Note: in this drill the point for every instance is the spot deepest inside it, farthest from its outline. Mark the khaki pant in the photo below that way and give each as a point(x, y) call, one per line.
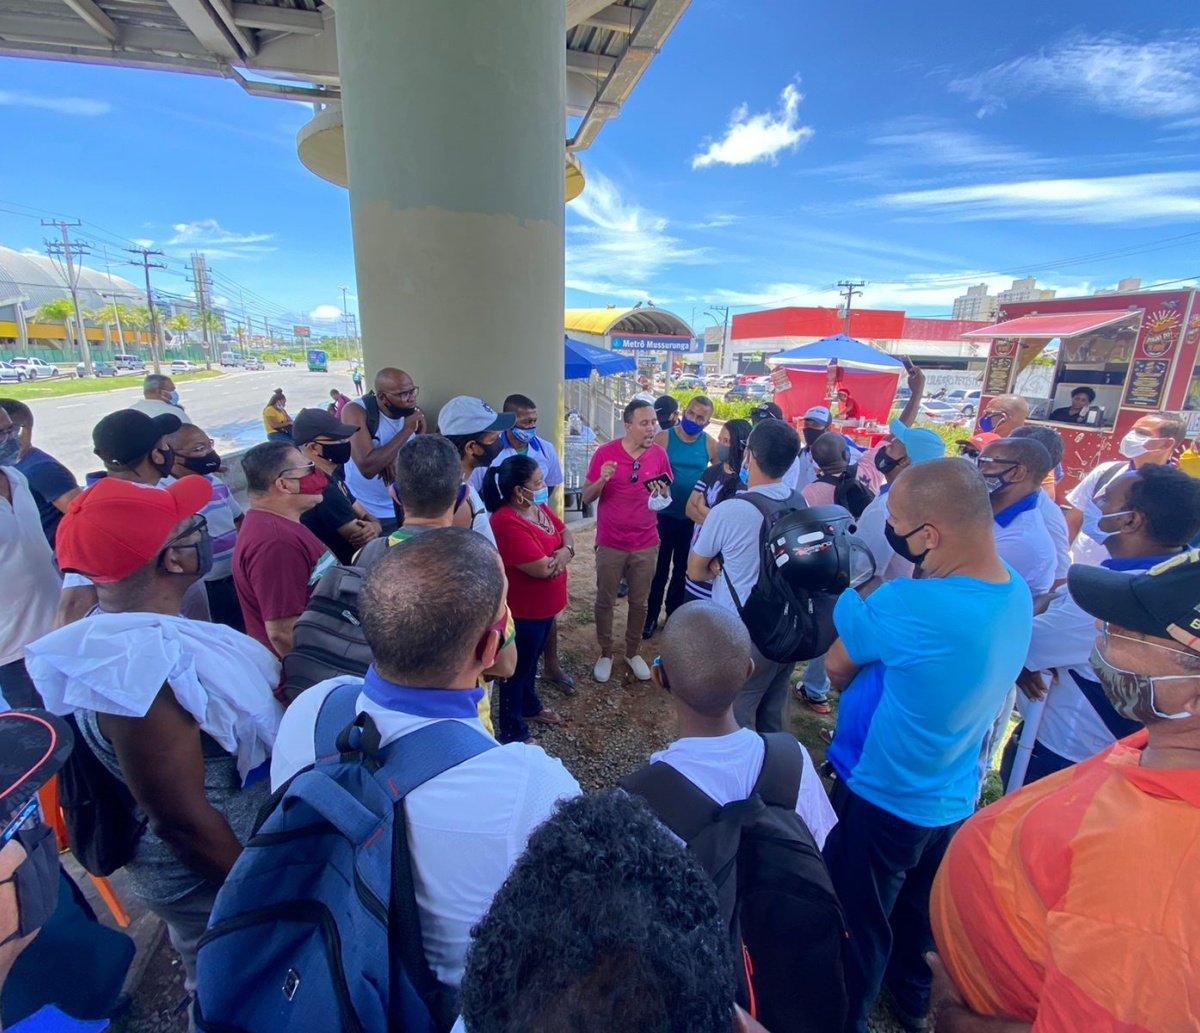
point(637, 568)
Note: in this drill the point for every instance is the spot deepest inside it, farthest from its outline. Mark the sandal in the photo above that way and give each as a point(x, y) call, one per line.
point(546, 716)
point(566, 683)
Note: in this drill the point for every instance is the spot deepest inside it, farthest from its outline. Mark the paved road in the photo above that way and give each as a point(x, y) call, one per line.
point(228, 407)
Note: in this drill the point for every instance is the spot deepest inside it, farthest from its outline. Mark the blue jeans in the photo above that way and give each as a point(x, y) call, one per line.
point(816, 682)
point(882, 869)
point(518, 698)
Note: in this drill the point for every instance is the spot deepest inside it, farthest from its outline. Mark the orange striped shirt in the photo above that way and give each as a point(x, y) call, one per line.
point(1074, 904)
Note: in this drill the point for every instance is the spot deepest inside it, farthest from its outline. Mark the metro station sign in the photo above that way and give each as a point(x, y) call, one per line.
point(655, 343)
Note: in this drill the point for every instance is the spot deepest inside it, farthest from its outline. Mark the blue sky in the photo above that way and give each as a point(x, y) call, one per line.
point(773, 148)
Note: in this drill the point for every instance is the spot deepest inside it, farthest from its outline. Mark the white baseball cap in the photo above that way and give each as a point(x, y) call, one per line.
point(819, 413)
point(467, 415)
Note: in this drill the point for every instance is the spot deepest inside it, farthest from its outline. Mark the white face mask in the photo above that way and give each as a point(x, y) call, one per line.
point(658, 502)
point(1135, 444)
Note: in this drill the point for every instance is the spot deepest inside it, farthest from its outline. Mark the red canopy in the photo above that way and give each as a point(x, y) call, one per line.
point(1052, 324)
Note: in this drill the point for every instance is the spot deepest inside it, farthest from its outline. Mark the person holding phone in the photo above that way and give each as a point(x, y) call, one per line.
point(626, 530)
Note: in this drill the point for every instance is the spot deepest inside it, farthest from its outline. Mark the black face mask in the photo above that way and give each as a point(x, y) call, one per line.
point(810, 435)
point(489, 452)
point(168, 462)
point(899, 544)
point(210, 462)
point(35, 880)
point(337, 453)
point(884, 463)
point(396, 412)
point(204, 556)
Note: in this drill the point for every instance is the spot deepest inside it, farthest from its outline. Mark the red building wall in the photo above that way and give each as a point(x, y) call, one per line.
point(865, 323)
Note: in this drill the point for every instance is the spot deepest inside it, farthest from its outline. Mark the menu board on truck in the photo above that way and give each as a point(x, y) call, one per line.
point(1147, 382)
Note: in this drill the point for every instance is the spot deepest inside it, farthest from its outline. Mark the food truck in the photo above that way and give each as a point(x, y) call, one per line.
point(1136, 352)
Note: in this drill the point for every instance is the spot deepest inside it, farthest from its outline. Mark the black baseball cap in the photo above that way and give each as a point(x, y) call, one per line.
point(765, 411)
point(128, 435)
point(665, 406)
point(311, 424)
point(1163, 601)
point(34, 744)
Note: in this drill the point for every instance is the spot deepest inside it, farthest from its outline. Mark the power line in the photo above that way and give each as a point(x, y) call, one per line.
point(66, 251)
point(143, 259)
point(848, 289)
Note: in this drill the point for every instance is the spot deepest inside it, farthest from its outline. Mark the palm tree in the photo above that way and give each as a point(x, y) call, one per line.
point(181, 323)
point(101, 317)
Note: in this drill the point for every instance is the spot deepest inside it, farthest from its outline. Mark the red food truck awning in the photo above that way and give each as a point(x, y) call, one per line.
point(1052, 324)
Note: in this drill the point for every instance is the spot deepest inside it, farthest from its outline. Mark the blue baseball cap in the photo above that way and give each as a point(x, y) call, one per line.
point(920, 444)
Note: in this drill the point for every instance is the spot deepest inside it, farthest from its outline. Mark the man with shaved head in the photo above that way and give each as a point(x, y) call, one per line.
point(924, 664)
point(386, 418)
point(705, 660)
point(1013, 469)
point(1052, 514)
point(1004, 414)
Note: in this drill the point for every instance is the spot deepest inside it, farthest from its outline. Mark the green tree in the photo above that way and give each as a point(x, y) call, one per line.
point(181, 323)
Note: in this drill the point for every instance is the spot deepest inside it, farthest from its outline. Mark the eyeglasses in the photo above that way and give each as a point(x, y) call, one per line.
point(201, 449)
point(198, 527)
point(11, 431)
point(637, 465)
point(408, 395)
point(984, 460)
point(288, 471)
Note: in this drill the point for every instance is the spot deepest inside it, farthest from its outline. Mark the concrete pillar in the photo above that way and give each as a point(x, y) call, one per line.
point(454, 129)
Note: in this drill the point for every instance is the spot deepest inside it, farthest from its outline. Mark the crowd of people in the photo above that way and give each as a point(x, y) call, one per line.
point(419, 566)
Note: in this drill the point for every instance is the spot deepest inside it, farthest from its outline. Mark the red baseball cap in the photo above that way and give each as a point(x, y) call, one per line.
point(983, 439)
point(117, 527)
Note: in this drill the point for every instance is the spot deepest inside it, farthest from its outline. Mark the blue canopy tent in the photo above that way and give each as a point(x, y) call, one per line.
point(846, 350)
point(812, 372)
point(582, 360)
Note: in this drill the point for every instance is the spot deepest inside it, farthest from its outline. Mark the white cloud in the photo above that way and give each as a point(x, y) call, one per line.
point(1147, 198)
point(325, 314)
point(933, 142)
point(761, 137)
point(85, 106)
point(615, 247)
point(209, 231)
point(1152, 80)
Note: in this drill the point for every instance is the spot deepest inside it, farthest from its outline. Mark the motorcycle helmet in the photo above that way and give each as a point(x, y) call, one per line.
point(814, 550)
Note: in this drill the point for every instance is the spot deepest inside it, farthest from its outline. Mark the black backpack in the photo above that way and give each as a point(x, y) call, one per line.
point(785, 923)
point(371, 404)
point(848, 491)
point(785, 622)
point(328, 638)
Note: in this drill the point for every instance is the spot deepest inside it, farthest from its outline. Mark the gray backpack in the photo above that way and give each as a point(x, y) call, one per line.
point(328, 638)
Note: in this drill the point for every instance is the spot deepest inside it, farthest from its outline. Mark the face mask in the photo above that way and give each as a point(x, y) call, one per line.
point(523, 434)
point(337, 454)
point(204, 556)
point(810, 435)
point(174, 398)
point(488, 454)
point(10, 448)
point(723, 453)
point(899, 544)
point(281, 406)
point(313, 482)
point(210, 462)
point(987, 422)
point(658, 502)
point(995, 483)
point(1091, 524)
point(1134, 444)
point(1132, 695)
point(168, 461)
point(540, 497)
point(690, 427)
point(744, 475)
point(35, 880)
point(884, 463)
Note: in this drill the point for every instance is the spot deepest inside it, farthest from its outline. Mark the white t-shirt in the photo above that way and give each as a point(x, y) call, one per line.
point(157, 407)
point(481, 521)
point(732, 530)
point(1026, 546)
point(372, 492)
point(1056, 527)
point(26, 568)
point(544, 455)
point(466, 828)
point(725, 767)
point(869, 531)
point(797, 471)
point(1085, 548)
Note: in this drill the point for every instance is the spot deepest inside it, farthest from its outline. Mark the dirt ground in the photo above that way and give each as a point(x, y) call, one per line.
point(607, 731)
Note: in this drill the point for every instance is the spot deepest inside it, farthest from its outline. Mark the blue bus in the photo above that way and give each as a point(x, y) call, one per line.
point(318, 362)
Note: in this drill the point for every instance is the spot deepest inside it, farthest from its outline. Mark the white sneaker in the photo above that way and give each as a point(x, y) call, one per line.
point(603, 669)
point(640, 671)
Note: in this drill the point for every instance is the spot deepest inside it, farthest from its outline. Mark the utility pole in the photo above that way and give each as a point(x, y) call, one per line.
point(724, 311)
point(848, 290)
point(202, 283)
point(112, 296)
point(143, 259)
point(246, 320)
point(65, 250)
point(345, 316)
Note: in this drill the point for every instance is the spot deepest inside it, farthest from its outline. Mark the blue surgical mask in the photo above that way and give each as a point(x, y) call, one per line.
point(744, 475)
point(521, 434)
point(174, 397)
point(541, 496)
point(690, 427)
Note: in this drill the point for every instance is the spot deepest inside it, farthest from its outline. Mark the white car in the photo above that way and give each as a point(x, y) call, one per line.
point(941, 412)
point(183, 366)
point(966, 402)
point(35, 367)
point(10, 374)
point(287, 363)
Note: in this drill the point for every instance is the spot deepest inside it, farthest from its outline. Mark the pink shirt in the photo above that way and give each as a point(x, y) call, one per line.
point(818, 493)
point(339, 404)
point(623, 520)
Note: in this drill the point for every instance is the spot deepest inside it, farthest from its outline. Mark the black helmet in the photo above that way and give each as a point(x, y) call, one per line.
point(815, 552)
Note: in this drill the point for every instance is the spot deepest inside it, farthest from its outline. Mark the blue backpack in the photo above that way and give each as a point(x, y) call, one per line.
point(316, 927)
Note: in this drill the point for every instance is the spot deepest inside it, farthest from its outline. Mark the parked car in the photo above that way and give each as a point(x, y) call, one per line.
point(10, 374)
point(903, 394)
point(102, 368)
point(941, 412)
point(230, 359)
point(35, 367)
point(254, 363)
point(967, 402)
point(689, 383)
point(183, 366)
point(287, 363)
point(750, 393)
point(128, 362)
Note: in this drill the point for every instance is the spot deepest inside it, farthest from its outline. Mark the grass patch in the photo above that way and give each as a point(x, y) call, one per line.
point(583, 617)
point(63, 388)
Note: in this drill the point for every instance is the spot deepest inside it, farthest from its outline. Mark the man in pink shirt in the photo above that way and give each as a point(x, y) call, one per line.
point(631, 477)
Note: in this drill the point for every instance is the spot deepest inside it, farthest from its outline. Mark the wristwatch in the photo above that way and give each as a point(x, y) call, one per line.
point(570, 549)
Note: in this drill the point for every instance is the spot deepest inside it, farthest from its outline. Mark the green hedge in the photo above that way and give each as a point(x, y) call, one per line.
point(721, 410)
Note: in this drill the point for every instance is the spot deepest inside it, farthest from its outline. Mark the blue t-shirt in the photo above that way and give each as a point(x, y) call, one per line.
point(937, 659)
point(48, 480)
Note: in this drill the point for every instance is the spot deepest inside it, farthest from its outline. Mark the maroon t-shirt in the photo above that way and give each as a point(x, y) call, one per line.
point(275, 564)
